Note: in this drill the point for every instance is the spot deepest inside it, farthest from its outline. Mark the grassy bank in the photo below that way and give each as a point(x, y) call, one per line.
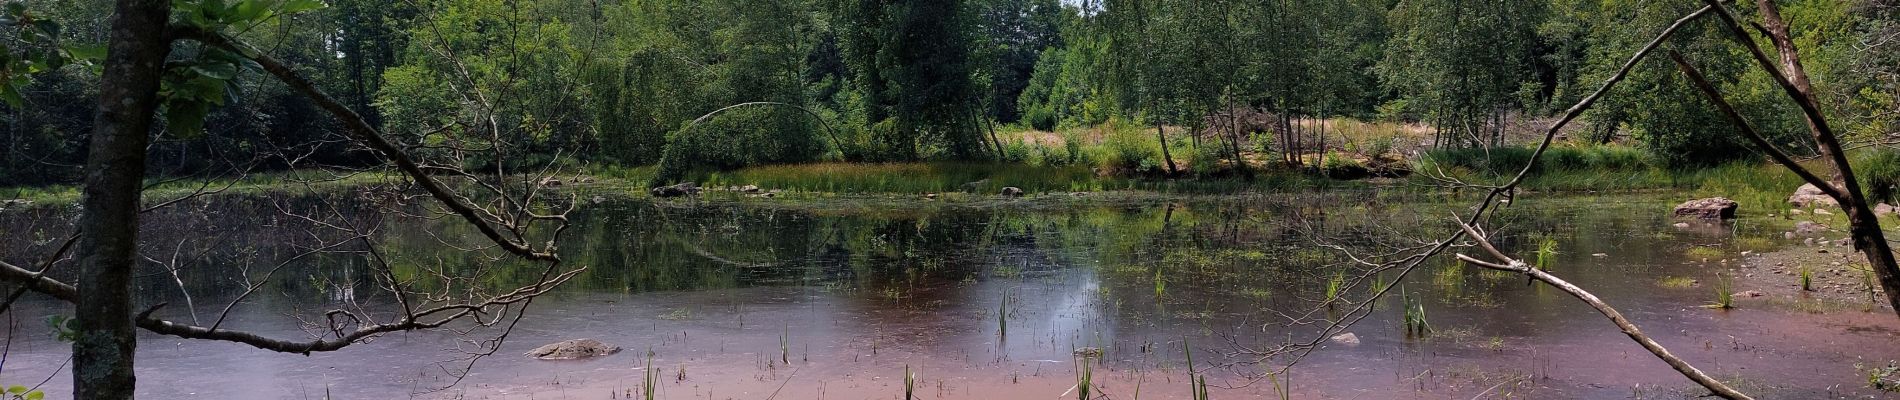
point(160, 190)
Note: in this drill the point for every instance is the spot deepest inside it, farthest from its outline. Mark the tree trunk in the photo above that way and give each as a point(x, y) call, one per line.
point(1163, 137)
point(1864, 224)
point(104, 348)
point(1233, 135)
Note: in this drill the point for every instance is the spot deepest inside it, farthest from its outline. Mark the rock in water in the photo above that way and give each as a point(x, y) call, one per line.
point(749, 188)
point(1807, 227)
point(1012, 191)
point(1347, 338)
point(573, 349)
point(1716, 208)
point(1809, 195)
point(682, 189)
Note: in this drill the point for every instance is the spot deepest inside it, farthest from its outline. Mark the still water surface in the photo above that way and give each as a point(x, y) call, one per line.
point(753, 299)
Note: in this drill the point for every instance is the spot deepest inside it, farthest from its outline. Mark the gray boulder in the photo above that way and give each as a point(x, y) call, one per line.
point(573, 349)
point(1012, 191)
point(1716, 208)
point(1809, 195)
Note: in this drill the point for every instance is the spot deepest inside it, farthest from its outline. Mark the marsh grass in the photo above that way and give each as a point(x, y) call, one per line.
point(1415, 324)
point(1724, 293)
point(651, 379)
point(1197, 382)
point(1546, 254)
point(1676, 282)
point(910, 383)
point(163, 189)
point(1703, 253)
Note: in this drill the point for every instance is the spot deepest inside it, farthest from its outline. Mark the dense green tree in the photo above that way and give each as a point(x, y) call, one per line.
point(1462, 64)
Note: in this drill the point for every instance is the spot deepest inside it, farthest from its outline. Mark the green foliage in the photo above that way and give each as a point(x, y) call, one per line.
point(1415, 324)
point(65, 329)
point(1880, 172)
point(1724, 294)
point(1341, 166)
point(1885, 378)
point(1429, 61)
point(17, 392)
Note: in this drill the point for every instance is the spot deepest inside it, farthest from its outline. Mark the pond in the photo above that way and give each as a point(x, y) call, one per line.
point(824, 298)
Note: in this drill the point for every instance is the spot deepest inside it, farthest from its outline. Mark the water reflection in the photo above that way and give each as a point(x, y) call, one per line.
point(813, 300)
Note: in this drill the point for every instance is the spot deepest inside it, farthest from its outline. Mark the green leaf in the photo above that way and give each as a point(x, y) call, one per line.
point(46, 25)
point(16, 389)
point(54, 61)
point(249, 10)
point(35, 395)
point(87, 52)
point(219, 71)
point(186, 118)
point(297, 6)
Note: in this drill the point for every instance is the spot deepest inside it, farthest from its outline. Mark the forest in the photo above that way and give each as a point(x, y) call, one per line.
point(654, 83)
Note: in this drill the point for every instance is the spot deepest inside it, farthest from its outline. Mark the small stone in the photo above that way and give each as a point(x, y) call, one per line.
point(1599, 255)
point(1682, 225)
point(1347, 338)
point(1822, 211)
point(1012, 191)
point(1796, 212)
point(573, 349)
point(1751, 293)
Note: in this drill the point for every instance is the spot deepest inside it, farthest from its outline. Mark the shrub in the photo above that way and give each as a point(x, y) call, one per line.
point(1341, 166)
point(1880, 173)
point(1130, 149)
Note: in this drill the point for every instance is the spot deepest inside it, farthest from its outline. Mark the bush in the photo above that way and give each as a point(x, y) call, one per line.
point(1880, 173)
point(1130, 149)
point(1341, 166)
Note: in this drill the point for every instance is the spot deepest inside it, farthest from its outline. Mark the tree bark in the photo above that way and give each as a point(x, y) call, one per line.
point(1162, 135)
point(105, 345)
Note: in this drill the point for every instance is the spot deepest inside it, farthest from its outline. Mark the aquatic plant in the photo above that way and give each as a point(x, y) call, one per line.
point(1197, 383)
point(1084, 378)
point(1885, 379)
point(1676, 282)
point(1724, 294)
point(910, 383)
point(1546, 253)
point(651, 377)
point(1415, 324)
point(1002, 316)
point(1703, 253)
